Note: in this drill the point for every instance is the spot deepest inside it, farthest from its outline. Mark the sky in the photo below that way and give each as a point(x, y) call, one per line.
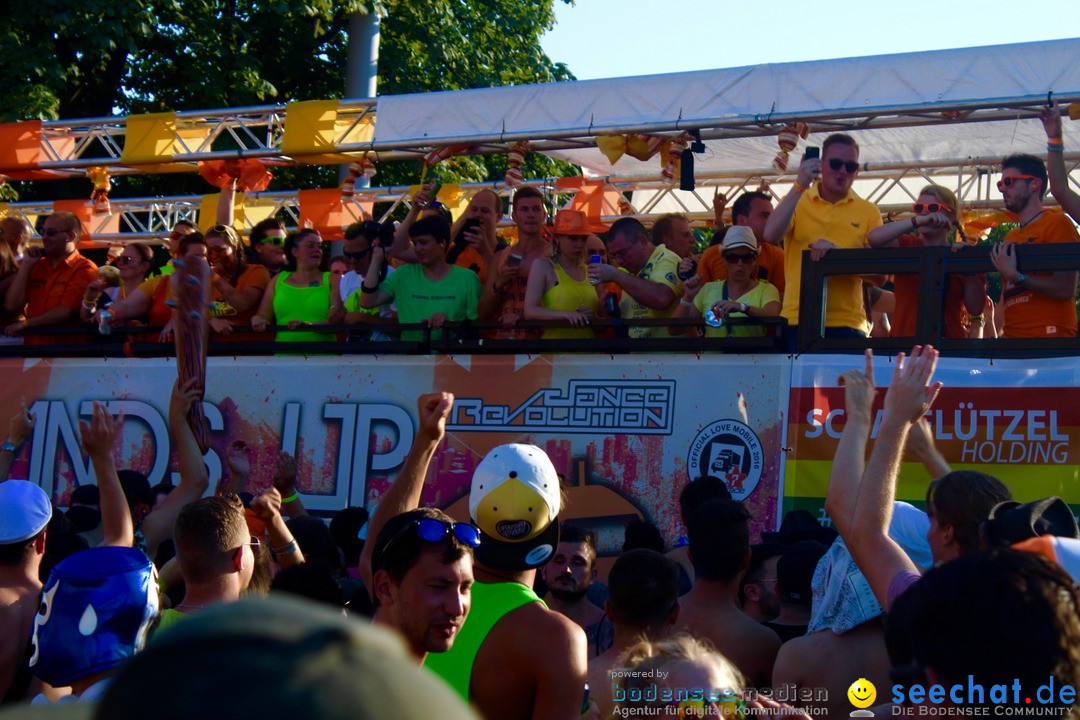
point(621, 38)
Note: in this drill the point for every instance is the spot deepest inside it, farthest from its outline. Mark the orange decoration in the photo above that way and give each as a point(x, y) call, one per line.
point(250, 174)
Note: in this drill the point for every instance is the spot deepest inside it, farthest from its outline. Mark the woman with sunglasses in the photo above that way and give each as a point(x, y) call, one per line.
point(133, 264)
point(741, 295)
point(934, 223)
point(151, 300)
point(302, 295)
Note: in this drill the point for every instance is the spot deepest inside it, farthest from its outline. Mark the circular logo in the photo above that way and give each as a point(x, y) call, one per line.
point(539, 555)
point(731, 451)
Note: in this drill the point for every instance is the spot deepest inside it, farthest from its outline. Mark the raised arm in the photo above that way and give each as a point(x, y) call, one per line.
point(402, 248)
point(285, 482)
point(267, 507)
point(780, 219)
point(1055, 161)
point(910, 395)
point(194, 478)
point(98, 439)
point(407, 489)
point(850, 459)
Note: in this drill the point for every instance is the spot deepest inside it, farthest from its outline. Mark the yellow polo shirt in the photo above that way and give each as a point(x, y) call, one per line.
point(846, 225)
point(663, 268)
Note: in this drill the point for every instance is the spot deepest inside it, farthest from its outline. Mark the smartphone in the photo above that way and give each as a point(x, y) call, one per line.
point(470, 224)
point(812, 153)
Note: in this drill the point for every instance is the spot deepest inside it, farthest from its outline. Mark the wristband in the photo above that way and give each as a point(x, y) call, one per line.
point(367, 290)
point(914, 224)
point(796, 186)
point(687, 304)
point(1021, 279)
point(979, 320)
point(286, 549)
point(292, 498)
point(8, 446)
point(1055, 140)
point(1055, 147)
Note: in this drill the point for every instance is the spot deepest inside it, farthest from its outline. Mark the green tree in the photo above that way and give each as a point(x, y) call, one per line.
point(103, 57)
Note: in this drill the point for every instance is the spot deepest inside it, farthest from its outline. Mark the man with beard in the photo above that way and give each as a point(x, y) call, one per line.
point(1043, 303)
point(569, 575)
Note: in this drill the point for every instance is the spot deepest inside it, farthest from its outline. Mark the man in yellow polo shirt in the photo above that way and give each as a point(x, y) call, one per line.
point(651, 286)
point(818, 216)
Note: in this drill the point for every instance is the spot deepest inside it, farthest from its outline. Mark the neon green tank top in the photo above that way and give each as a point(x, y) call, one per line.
point(308, 304)
point(490, 602)
point(570, 294)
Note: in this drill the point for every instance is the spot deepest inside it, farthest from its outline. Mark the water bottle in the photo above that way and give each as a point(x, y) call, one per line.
point(594, 260)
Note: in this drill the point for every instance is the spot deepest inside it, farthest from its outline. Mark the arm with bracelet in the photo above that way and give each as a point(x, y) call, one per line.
point(285, 483)
point(267, 507)
point(1055, 161)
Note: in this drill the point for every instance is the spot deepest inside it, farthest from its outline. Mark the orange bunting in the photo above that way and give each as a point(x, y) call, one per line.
point(514, 159)
point(437, 155)
point(788, 139)
point(250, 174)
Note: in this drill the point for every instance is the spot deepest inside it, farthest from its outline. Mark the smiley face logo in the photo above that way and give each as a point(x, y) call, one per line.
point(862, 693)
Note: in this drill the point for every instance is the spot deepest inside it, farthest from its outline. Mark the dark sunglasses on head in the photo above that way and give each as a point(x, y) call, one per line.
point(734, 258)
point(850, 165)
point(432, 530)
point(1009, 180)
point(931, 207)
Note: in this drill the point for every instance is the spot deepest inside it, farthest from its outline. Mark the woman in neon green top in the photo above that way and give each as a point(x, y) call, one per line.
point(739, 296)
point(559, 288)
point(303, 294)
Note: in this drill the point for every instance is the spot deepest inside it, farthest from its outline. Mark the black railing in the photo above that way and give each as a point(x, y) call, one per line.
point(933, 265)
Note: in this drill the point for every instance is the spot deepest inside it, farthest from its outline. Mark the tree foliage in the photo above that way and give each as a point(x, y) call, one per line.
point(103, 57)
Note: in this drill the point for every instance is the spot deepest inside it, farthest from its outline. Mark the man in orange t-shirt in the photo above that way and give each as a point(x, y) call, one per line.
point(1039, 304)
point(49, 285)
point(752, 210)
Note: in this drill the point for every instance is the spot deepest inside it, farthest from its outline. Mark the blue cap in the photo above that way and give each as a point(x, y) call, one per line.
point(25, 510)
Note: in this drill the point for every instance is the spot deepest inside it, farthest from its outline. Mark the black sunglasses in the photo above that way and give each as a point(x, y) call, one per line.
point(432, 530)
point(836, 163)
point(734, 258)
point(358, 255)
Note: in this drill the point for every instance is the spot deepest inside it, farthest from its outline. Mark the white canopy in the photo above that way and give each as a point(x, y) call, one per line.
point(913, 109)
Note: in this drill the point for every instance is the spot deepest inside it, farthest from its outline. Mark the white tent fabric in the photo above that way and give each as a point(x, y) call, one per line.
point(893, 103)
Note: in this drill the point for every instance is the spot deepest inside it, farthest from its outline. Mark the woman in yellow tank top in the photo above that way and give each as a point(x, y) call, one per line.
point(559, 288)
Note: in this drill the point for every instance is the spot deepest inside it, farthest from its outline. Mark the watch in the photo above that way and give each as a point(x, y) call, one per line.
point(1021, 279)
point(744, 307)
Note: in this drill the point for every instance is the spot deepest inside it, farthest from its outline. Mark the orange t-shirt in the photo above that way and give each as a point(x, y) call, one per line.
point(253, 276)
point(909, 295)
point(1029, 313)
point(48, 287)
point(770, 265)
point(160, 313)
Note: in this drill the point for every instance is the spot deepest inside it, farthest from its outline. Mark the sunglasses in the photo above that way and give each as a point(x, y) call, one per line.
point(836, 163)
point(126, 260)
point(49, 232)
point(1010, 180)
point(931, 208)
point(254, 543)
point(358, 255)
point(433, 531)
point(734, 259)
point(273, 240)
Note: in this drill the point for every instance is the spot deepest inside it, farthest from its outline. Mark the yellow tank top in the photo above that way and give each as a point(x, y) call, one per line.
point(570, 294)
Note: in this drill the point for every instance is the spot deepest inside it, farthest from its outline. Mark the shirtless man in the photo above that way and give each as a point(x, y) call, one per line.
point(514, 659)
point(503, 299)
point(569, 575)
point(720, 553)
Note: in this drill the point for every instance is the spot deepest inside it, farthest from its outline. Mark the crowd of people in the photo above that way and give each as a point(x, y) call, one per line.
point(556, 280)
point(506, 607)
